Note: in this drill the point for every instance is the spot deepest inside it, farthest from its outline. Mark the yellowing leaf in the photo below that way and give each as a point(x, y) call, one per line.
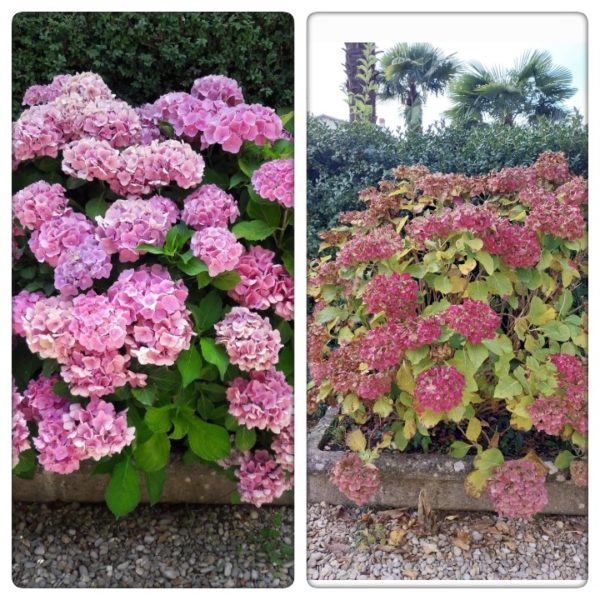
point(539, 312)
point(475, 483)
point(458, 284)
point(350, 404)
point(404, 378)
point(473, 429)
point(467, 266)
point(409, 429)
point(430, 419)
point(356, 440)
point(383, 407)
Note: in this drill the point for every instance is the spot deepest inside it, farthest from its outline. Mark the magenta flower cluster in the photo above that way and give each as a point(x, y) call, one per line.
point(274, 180)
point(209, 206)
point(263, 283)
point(380, 244)
point(439, 388)
point(355, 479)
point(516, 489)
point(474, 319)
point(395, 295)
point(131, 222)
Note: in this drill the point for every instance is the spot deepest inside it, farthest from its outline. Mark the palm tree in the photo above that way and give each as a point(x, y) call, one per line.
point(411, 72)
point(362, 78)
point(533, 88)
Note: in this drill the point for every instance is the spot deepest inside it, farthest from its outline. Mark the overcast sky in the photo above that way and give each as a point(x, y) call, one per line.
point(489, 39)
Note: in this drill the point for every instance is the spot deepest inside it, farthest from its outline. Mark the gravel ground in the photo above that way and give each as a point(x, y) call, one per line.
point(349, 543)
point(73, 545)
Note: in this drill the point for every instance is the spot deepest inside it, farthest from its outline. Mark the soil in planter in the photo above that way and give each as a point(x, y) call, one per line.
point(513, 443)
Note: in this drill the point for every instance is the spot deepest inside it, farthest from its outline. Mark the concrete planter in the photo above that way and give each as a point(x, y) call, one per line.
point(196, 484)
point(403, 476)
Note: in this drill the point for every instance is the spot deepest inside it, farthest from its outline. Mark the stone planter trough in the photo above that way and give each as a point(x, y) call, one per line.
point(403, 476)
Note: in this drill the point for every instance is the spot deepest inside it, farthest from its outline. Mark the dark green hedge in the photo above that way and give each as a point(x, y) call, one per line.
point(344, 160)
point(144, 55)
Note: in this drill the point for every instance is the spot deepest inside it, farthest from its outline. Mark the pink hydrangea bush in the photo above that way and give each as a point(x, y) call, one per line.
point(355, 479)
point(136, 273)
point(454, 302)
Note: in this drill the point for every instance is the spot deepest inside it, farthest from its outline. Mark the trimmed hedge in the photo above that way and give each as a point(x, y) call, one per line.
point(143, 55)
point(345, 159)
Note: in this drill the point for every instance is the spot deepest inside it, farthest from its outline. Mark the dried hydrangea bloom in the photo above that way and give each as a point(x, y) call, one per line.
point(355, 479)
point(474, 319)
point(133, 221)
point(517, 489)
point(574, 192)
point(511, 179)
point(79, 266)
point(561, 220)
point(553, 167)
point(218, 87)
point(231, 126)
point(283, 447)
point(66, 231)
point(263, 283)
point(274, 180)
point(38, 203)
point(218, 248)
point(37, 132)
point(20, 431)
point(21, 302)
point(379, 244)
point(374, 385)
point(260, 479)
point(439, 388)
point(39, 398)
point(264, 401)
point(394, 294)
point(579, 472)
point(209, 206)
point(249, 339)
point(549, 414)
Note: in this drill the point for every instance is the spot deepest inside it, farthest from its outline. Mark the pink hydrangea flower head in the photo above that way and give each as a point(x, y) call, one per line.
point(249, 339)
point(562, 220)
point(37, 132)
point(283, 447)
point(87, 86)
point(395, 295)
point(150, 130)
point(218, 248)
point(107, 119)
point(439, 388)
point(261, 479)
point(97, 324)
point(209, 206)
point(549, 414)
point(40, 400)
point(189, 116)
point(382, 347)
point(67, 231)
point(231, 126)
point(90, 159)
point(574, 192)
point(56, 452)
point(374, 385)
point(131, 222)
point(20, 431)
point(579, 472)
point(43, 94)
point(79, 266)
point(274, 180)
point(263, 283)
point(474, 319)
point(218, 87)
point(517, 489)
point(21, 302)
point(46, 327)
point(518, 246)
point(511, 179)
point(38, 203)
point(264, 401)
point(355, 479)
point(93, 375)
point(380, 244)
point(100, 431)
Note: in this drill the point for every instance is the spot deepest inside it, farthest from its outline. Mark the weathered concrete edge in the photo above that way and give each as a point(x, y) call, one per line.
point(405, 475)
point(194, 484)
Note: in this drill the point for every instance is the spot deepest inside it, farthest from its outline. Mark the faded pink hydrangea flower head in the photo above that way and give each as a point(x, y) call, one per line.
point(260, 479)
point(21, 302)
point(264, 401)
point(283, 447)
point(274, 180)
point(517, 488)
point(474, 319)
point(249, 339)
point(394, 294)
point(355, 479)
point(40, 400)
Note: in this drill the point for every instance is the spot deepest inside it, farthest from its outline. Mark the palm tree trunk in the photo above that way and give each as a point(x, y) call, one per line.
point(354, 52)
